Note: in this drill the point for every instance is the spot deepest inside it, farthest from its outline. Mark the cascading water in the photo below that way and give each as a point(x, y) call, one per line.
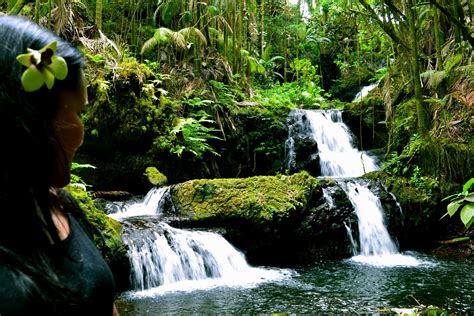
point(365, 91)
point(376, 247)
point(152, 204)
point(169, 258)
point(339, 158)
point(337, 155)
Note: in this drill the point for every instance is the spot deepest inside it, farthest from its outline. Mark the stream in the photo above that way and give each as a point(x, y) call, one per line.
point(177, 271)
point(325, 287)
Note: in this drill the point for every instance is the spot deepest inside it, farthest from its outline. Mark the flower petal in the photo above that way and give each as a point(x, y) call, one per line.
point(58, 67)
point(51, 46)
point(24, 59)
point(48, 78)
point(32, 79)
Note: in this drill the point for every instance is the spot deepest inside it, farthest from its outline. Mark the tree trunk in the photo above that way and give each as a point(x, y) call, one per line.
point(99, 5)
point(262, 28)
point(455, 13)
point(422, 115)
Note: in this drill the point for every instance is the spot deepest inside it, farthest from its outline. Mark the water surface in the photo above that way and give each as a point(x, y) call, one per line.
point(343, 286)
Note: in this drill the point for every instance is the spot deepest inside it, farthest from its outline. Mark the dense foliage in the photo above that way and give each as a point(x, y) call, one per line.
point(201, 89)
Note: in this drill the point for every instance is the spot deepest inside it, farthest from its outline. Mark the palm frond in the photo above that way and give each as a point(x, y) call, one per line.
point(187, 32)
point(162, 35)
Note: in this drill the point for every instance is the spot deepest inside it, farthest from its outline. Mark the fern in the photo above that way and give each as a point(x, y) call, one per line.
point(194, 135)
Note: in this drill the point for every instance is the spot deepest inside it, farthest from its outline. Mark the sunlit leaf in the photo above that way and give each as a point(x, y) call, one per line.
point(453, 207)
point(469, 197)
point(467, 214)
point(467, 185)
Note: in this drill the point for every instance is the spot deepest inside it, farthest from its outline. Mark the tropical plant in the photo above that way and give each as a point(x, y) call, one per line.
point(193, 135)
point(463, 201)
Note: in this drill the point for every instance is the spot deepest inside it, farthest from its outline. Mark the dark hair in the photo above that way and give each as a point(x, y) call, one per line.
point(28, 146)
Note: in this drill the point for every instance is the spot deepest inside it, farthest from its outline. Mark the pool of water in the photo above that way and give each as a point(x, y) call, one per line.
point(346, 286)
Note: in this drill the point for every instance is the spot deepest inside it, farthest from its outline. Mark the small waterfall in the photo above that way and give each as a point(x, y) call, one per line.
point(322, 136)
point(374, 239)
point(166, 255)
point(152, 204)
point(365, 91)
point(329, 200)
point(375, 245)
point(335, 150)
point(162, 256)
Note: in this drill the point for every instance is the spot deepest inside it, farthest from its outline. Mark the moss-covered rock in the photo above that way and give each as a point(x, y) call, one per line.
point(258, 215)
point(261, 199)
point(273, 219)
point(422, 207)
point(109, 240)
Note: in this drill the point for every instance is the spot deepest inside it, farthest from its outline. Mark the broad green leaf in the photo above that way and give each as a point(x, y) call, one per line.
point(58, 67)
point(467, 214)
point(469, 197)
point(453, 207)
point(467, 185)
point(32, 79)
point(187, 17)
point(213, 10)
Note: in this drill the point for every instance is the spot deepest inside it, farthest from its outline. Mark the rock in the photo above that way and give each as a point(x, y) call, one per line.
point(277, 220)
point(112, 195)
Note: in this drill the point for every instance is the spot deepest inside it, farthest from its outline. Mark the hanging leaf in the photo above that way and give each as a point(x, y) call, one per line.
point(467, 185)
point(453, 207)
point(213, 10)
point(187, 17)
point(467, 214)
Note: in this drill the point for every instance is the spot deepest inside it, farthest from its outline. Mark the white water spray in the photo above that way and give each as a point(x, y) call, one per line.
point(151, 205)
point(365, 91)
point(376, 247)
point(167, 255)
point(170, 259)
point(337, 155)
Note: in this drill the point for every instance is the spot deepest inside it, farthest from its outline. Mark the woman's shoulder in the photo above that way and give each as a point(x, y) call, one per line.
point(72, 208)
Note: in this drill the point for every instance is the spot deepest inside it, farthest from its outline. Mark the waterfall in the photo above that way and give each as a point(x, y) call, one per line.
point(166, 255)
point(374, 239)
point(169, 258)
point(335, 150)
point(365, 91)
point(321, 136)
point(376, 247)
point(152, 204)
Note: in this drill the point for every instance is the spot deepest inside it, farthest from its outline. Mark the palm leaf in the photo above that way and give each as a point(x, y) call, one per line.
point(162, 35)
point(187, 32)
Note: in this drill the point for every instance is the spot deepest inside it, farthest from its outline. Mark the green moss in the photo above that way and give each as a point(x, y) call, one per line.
point(405, 191)
point(155, 177)
point(258, 199)
point(110, 242)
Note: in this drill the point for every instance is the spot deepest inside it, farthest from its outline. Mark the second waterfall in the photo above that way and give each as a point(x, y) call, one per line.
point(319, 139)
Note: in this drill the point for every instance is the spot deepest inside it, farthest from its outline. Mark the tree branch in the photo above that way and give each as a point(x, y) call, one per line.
point(465, 31)
point(387, 28)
